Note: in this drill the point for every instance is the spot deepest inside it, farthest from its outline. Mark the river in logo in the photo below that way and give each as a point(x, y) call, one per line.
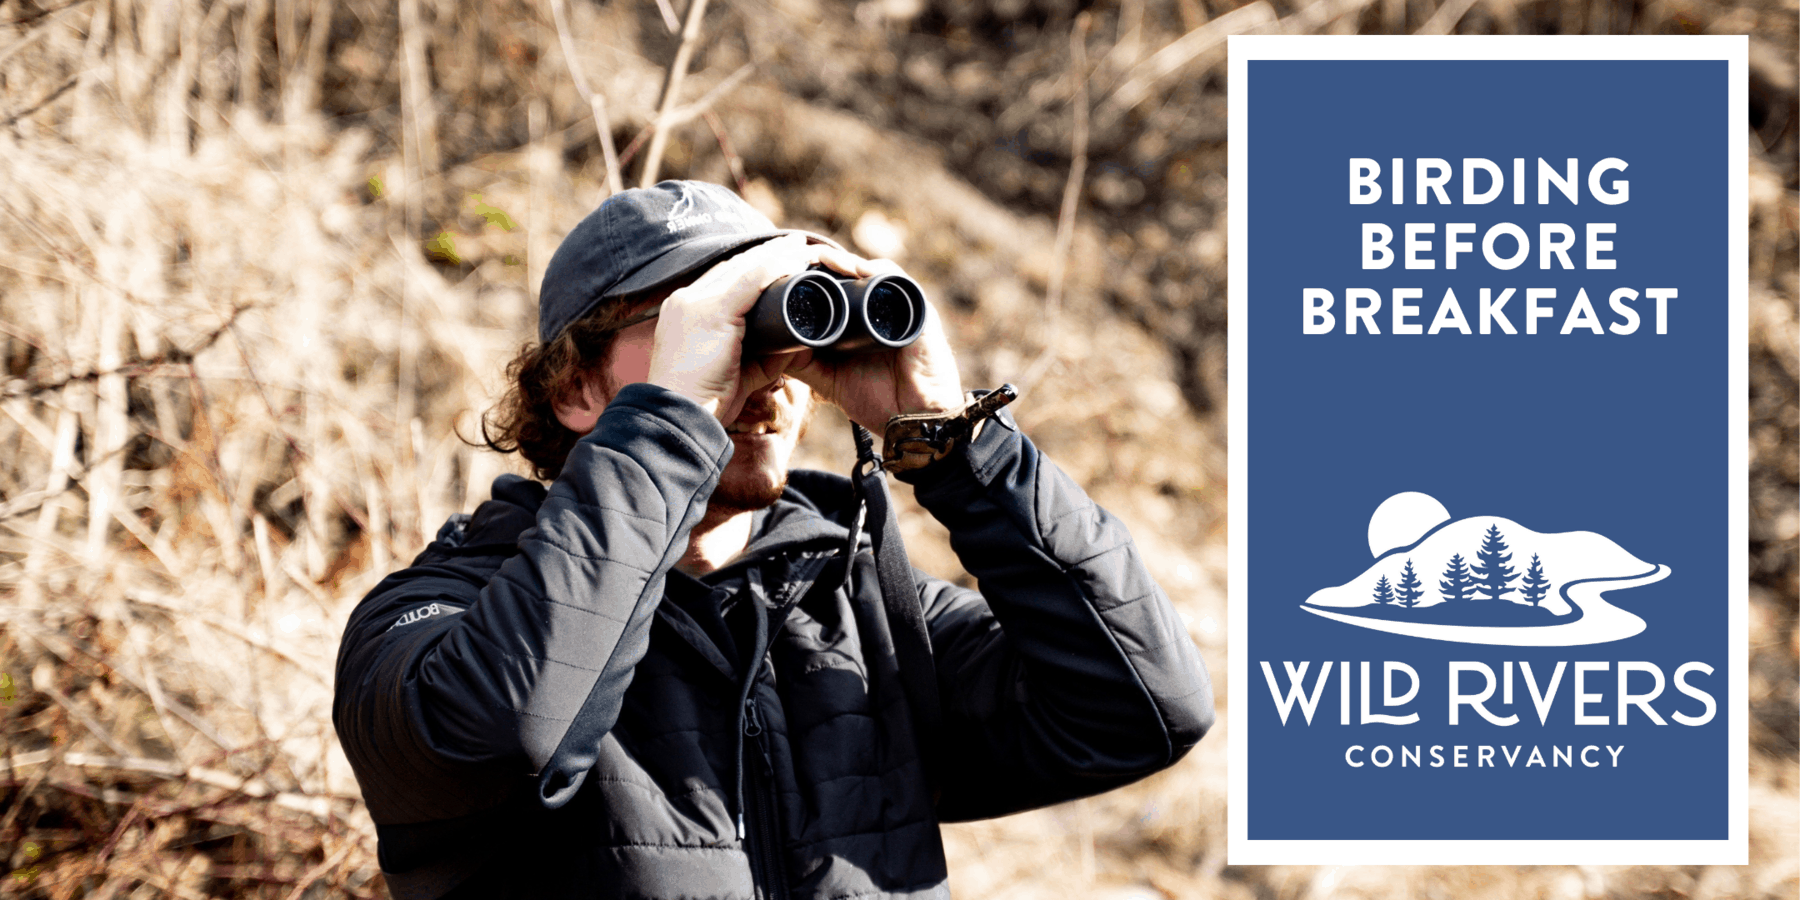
point(1485, 580)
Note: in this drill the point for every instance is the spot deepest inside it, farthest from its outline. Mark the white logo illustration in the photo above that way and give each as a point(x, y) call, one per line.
point(1485, 580)
point(682, 215)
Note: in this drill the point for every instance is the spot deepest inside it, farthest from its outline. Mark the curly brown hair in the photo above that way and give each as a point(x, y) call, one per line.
point(543, 373)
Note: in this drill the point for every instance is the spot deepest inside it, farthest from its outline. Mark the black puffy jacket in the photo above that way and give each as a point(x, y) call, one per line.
point(529, 716)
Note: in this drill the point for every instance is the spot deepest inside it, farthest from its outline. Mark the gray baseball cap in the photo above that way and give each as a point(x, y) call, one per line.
point(643, 238)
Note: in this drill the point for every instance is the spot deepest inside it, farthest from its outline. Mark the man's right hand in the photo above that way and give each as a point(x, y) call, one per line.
point(699, 342)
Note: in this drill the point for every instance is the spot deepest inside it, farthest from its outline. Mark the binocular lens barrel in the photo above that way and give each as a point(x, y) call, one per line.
point(885, 311)
point(810, 311)
point(830, 312)
point(796, 312)
point(890, 314)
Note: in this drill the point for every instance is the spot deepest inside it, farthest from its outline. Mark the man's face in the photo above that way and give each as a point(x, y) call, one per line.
point(775, 413)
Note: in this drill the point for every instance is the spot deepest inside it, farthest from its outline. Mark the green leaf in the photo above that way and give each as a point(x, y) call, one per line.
point(495, 216)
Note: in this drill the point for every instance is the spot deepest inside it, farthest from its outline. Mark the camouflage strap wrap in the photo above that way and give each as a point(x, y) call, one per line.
point(920, 439)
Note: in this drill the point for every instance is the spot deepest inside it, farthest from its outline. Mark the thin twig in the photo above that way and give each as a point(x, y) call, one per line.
point(1314, 16)
point(319, 870)
point(419, 111)
point(177, 356)
point(31, 17)
point(1145, 76)
point(659, 134)
point(33, 228)
point(293, 443)
point(7, 831)
point(163, 884)
point(316, 805)
point(1253, 18)
point(152, 685)
point(686, 113)
point(249, 48)
point(312, 69)
point(1444, 20)
point(731, 158)
point(49, 98)
point(668, 16)
point(1084, 821)
point(596, 101)
point(25, 503)
point(86, 721)
point(200, 726)
point(36, 33)
point(1071, 200)
point(305, 668)
point(637, 143)
point(112, 843)
point(129, 521)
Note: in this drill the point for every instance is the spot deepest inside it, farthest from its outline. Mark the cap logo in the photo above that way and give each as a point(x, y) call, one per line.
point(683, 217)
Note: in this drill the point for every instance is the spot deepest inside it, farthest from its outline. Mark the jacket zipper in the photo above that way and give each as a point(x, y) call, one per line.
point(762, 843)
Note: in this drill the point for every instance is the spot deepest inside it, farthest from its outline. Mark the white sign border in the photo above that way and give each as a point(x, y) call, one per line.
point(1734, 849)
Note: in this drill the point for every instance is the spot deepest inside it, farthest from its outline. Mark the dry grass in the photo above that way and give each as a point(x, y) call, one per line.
point(263, 260)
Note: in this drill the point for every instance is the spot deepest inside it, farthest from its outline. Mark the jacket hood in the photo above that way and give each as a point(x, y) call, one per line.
point(816, 507)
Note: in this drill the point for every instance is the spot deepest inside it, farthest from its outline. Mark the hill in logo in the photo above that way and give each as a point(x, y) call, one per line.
point(1485, 580)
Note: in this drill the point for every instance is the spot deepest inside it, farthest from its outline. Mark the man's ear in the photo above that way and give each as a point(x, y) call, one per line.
point(580, 407)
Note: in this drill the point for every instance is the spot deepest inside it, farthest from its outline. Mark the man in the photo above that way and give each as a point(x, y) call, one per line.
point(665, 677)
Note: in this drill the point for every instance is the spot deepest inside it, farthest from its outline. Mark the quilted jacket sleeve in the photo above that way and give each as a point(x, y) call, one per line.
point(450, 666)
point(1069, 673)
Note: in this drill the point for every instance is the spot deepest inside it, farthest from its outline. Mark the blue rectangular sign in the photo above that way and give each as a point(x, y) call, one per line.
point(1488, 450)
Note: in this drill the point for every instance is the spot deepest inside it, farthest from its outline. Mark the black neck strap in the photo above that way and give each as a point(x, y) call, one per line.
point(899, 595)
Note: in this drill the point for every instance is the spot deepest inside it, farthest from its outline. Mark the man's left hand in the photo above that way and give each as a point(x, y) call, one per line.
point(874, 387)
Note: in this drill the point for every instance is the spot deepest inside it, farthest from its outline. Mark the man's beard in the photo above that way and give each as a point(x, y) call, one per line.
point(746, 494)
point(753, 480)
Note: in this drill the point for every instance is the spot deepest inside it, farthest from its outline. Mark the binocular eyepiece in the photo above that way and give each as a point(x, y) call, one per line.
point(835, 313)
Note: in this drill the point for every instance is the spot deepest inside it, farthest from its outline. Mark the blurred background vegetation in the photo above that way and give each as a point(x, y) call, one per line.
point(263, 260)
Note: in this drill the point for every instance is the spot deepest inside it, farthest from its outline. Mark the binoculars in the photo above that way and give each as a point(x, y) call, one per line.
point(835, 313)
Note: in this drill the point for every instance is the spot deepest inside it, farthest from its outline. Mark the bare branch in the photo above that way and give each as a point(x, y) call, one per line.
point(668, 16)
point(1444, 20)
point(33, 16)
point(300, 455)
point(731, 157)
point(691, 111)
point(1254, 18)
point(48, 99)
point(304, 667)
point(36, 33)
point(687, 113)
point(596, 101)
point(1071, 199)
point(659, 127)
point(417, 107)
point(1393, 16)
point(319, 871)
point(65, 649)
point(79, 715)
point(318, 805)
point(1147, 75)
point(178, 356)
point(1315, 16)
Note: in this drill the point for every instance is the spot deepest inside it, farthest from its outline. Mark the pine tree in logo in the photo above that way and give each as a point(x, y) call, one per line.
point(1384, 592)
point(1407, 591)
point(1535, 585)
point(1493, 576)
point(1457, 584)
